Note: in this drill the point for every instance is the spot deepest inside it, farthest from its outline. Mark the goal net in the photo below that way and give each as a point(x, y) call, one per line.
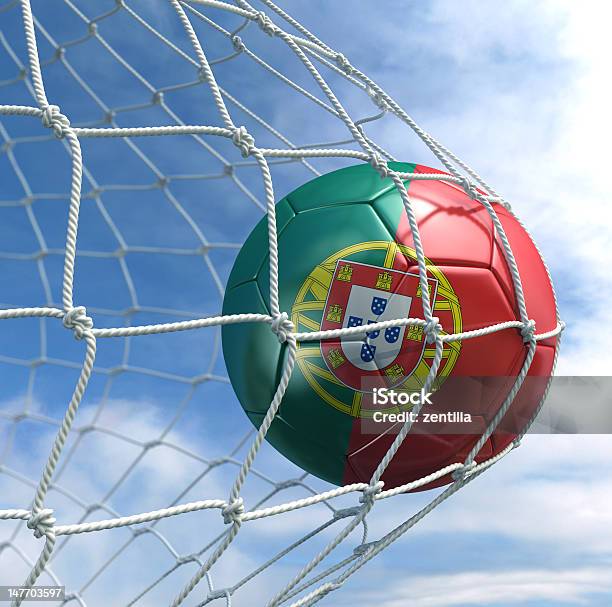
point(140, 142)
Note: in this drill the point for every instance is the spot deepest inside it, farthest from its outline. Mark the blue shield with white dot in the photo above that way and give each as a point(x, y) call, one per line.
point(367, 352)
point(376, 349)
point(379, 305)
point(392, 334)
point(372, 334)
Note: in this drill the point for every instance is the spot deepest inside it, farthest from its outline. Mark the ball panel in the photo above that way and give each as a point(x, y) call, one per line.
point(418, 456)
point(316, 419)
point(527, 398)
point(251, 350)
point(500, 269)
point(537, 289)
point(307, 450)
point(314, 235)
point(255, 249)
point(482, 304)
point(439, 208)
point(354, 184)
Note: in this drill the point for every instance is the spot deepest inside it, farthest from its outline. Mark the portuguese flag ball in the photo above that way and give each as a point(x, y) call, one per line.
point(347, 258)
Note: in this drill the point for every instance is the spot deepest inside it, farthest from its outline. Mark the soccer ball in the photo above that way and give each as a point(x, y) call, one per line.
point(347, 258)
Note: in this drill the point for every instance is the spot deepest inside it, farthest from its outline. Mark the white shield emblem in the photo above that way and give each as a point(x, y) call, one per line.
point(362, 294)
point(376, 349)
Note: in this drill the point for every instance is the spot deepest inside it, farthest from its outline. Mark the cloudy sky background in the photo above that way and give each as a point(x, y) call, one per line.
point(520, 91)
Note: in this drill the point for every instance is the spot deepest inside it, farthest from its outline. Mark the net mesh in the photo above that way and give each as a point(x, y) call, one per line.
point(161, 212)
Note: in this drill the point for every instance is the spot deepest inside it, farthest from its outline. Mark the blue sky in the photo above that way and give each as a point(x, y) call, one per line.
point(517, 90)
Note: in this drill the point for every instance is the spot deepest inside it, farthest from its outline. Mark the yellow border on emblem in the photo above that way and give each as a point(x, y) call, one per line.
point(311, 298)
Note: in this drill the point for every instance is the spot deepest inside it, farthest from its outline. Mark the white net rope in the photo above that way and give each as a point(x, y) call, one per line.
point(199, 20)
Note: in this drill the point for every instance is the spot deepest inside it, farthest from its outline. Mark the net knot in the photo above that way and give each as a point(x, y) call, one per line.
point(52, 118)
point(363, 548)
point(282, 327)
point(187, 558)
point(344, 64)
point(265, 23)
point(528, 330)
point(378, 99)
point(238, 44)
point(346, 512)
point(42, 522)
point(222, 593)
point(432, 329)
point(370, 492)
point(461, 473)
point(291, 482)
point(243, 140)
point(232, 513)
point(379, 164)
point(77, 320)
point(469, 187)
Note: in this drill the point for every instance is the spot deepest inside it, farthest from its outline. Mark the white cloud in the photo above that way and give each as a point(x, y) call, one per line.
point(94, 563)
point(543, 144)
point(551, 495)
point(514, 587)
point(470, 31)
